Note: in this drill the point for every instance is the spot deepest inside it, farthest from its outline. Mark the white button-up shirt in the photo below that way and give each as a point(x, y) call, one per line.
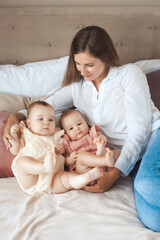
point(122, 108)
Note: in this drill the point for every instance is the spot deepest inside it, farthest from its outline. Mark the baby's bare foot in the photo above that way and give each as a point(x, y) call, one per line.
point(100, 149)
point(79, 181)
point(94, 173)
point(48, 162)
point(109, 157)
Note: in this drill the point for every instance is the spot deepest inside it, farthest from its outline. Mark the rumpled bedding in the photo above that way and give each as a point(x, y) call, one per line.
point(74, 215)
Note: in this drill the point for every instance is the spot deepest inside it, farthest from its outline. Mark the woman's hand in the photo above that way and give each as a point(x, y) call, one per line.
point(105, 182)
point(12, 119)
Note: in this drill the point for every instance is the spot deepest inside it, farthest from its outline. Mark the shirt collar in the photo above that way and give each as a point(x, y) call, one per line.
point(111, 74)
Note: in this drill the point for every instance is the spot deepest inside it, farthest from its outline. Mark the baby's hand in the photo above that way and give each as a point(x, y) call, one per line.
point(60, 149)
point(14, 129)
point(72, 167)
point(73, 156)
point(100, 140)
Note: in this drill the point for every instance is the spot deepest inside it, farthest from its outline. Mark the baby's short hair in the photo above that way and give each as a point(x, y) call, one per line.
point(37, 103)
point(66, 114)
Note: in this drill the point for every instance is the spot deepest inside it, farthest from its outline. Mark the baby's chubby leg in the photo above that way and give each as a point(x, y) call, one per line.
point(34, 167)
point(88, 160)
point(29, 168)
point(65, 181)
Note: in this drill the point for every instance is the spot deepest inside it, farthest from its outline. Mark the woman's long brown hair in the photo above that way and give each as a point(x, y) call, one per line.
point(96, 41)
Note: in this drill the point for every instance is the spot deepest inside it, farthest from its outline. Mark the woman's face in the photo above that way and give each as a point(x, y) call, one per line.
point(91, 68)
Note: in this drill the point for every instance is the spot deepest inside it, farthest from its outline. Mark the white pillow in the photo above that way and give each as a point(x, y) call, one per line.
point(148, 66)
point(33, 79)
point(45, 77)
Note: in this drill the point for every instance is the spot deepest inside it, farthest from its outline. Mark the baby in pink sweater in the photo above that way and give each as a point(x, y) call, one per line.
point(85, 146)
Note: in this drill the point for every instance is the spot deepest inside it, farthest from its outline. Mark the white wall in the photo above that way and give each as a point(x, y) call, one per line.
point(14, 3)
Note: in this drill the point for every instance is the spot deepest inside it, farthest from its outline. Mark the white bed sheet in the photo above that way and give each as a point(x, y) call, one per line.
point(75, 215)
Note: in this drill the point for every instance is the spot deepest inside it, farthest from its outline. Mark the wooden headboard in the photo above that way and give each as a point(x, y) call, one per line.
point(39, 33)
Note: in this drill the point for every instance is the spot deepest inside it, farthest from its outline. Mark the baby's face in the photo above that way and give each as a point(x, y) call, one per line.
point(41, 120)
point(75, 126)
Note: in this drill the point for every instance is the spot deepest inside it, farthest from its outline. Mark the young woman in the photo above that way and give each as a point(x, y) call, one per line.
point(116, 97)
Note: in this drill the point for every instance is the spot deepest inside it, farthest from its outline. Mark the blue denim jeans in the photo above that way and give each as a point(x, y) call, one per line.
point(146, 177)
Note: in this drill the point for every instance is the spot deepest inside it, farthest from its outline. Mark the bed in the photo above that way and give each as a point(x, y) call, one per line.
point(34, 47)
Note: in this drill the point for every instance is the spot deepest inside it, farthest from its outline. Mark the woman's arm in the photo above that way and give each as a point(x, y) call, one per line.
point(105, 182)
point(62, 99)
point(137, 116)
point(12, 119)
